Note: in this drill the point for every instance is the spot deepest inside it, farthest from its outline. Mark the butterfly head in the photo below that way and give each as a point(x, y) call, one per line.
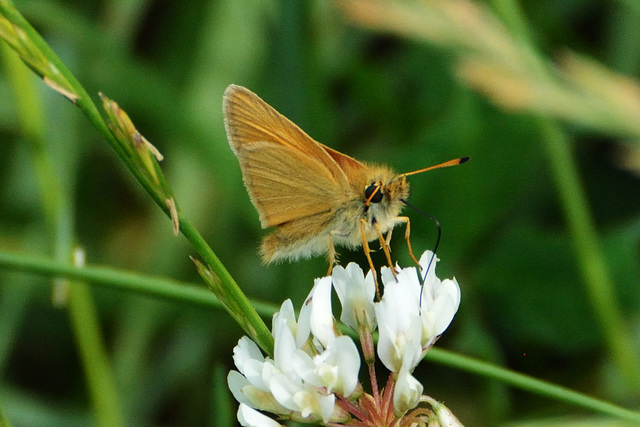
point(383, 194)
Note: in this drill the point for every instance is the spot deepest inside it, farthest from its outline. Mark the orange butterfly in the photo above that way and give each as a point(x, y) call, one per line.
point(314, 196)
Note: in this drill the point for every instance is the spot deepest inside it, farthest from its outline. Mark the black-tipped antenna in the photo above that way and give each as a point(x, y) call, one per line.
point(452, 162)
point(435, 248)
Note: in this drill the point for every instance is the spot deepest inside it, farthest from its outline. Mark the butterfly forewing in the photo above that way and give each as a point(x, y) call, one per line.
point(269, 172)
point(288, 175)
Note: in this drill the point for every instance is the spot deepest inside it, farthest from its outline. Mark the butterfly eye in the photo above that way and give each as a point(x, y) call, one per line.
point(373, 193)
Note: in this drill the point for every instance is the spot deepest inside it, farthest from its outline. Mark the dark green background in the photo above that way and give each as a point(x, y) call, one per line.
point(375, 97)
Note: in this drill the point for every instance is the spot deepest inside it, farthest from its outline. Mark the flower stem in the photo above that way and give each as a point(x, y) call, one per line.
point(374, 383)
point(530, 384)
point(387, 404)
point(111, 278)
point(368, 351)
point(351, 408)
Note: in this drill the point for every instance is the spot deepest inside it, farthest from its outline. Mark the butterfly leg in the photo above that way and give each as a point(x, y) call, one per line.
point(333, 256)
point(385, 247)
point(407, 233)
point(387, 242)
point(367, 253)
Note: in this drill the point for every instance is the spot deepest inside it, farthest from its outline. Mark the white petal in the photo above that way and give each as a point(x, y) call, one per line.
point(336, 369)
point(249, 417)
point(315, 404)
point(330, 375)
point(304, 322)
point(439, 305)
point(412, 354)
point(386, 341)
point(399, 325)
point(425, 259)
point(245, 351)
point(407, 392)
point(407, 276)
point(284, 390)
point(356, 294)
point(262, 400)
point(246, 393)
point(387, 275)
point(322, 325)
point(235, 381)
point(304, 399)
point(249, 360)
point(446, 305)
point(343, 355)
point(284, 347)
point(286, 314)
point(327, 404)
point(305, 367)
point(254, 373)
point(268, 371)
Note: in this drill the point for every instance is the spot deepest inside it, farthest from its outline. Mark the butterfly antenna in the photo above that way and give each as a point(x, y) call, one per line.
point(452, 162)
point(435, 248)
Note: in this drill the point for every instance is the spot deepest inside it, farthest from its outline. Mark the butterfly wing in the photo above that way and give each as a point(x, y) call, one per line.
point(349, 165)
point(288, 175)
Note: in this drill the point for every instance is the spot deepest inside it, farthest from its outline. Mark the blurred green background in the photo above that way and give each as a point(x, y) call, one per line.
point(377, 97)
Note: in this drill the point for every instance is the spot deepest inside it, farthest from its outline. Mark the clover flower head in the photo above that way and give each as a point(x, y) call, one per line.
point(314, 373)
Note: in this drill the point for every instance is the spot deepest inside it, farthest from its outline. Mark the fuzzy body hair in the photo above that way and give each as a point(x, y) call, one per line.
point(314, 235)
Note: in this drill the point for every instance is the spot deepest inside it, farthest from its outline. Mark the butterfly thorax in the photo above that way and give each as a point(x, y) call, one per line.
point(375, 197)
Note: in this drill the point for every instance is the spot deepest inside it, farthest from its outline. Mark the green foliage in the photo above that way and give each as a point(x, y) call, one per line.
point(377, 96)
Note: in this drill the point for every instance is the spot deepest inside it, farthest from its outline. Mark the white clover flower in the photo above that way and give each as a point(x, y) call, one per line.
point(248, 359)
point(440, 302)
point(407, 326)
point(247, 386)
point(301, 381)
point(307, 400)
point(399, 323)
point(321, 317)
point(334, 369)
point(300, 329)
point(410, 318)
point(356, 293)
point(407, 392)
point(313, 376)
